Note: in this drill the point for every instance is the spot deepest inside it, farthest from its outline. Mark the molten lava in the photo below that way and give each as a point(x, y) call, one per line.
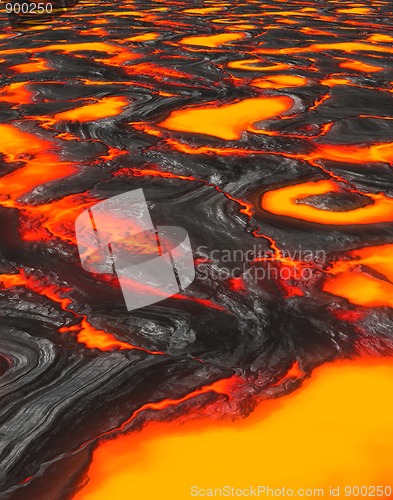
point(323, 425)
point(227, 121)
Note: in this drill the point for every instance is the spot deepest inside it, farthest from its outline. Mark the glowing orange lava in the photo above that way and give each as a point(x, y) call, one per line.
point(212, 40)
point(252, 65)
point(338, 426)
point(35, 65)
point(286, 202)
point(348, 47)
point(93, 338)
point(104, 108)
point(355, 10)
point(366, 279)
point(355, 153)
point(361, 289)
point(360, 66)
point(16, 93)
point(279, 82)
point(40, 165)
point(116, 54)
point(87, 334)
point(205, 10)
point(229, 120)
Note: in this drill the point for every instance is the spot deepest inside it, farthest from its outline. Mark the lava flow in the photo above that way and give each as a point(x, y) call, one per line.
point(227, 121)
point(320, 425)
point(264, 131)
point(290, 202)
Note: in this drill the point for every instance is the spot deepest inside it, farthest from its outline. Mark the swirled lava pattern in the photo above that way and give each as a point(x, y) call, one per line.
point(265, 131)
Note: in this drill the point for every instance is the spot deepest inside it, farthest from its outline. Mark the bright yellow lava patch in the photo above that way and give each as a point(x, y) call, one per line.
point(355, 10)
point(287, 202)
point(205, 10)
point(350, 276)
point(253, 65)
point(227, 121)
point(360, 66)
point(212, 40)
point(279, 82)
point(104, 108)
point(335, 431)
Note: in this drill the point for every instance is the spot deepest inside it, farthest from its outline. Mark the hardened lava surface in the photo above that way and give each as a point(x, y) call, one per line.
point(263, 129)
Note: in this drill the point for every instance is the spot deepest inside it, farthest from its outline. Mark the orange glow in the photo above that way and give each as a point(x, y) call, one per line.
point(118, 55)
point(208, 150)
point(229, 120)
point(247, 208)
point(40, 165)
point(332, 82)
point(295, 372)
point(354, 10)
point(32, 67)
point(338, 440)
point(242, 27)
point(252, 65)
point(146, 37)
point(41, 286)
point(360, 66)
point(156, 71)
point(323, 47)
point(222, 386)
point(93, 338)
point(149, 172)
point(212, 40)
point(279, 82)
point(16, 93)
point(96, 31)
point(360, 289)
point(87, 334)
point(355, 275)
point(205, 10)
point(355, 154)
point(286, 202)
point(314, 31)
point(379, 37)
point(378, 258)
point(237, 284)
point(53, 219)
point(99, 339)
point(104, 108)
